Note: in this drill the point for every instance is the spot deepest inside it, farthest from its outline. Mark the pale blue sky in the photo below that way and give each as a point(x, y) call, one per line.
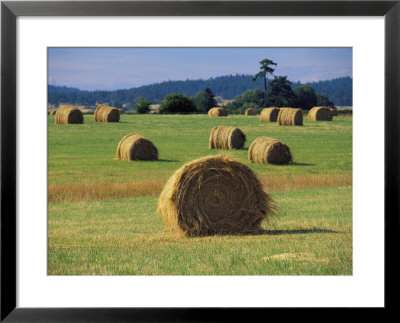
point(122, 68)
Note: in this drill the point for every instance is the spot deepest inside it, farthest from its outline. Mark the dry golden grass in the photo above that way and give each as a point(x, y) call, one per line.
point(301, 256)
point(290, 182)
point(59, 193)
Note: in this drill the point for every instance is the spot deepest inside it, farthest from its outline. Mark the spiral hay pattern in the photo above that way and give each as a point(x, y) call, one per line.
point(320, 114)
point(217, 112)
point(290, 117)
point(222, 137)
point(250, 112)
point(269, 114)
point(104, 113)
point(136, 147)
point(214, 195)
point(265, 150)
point(67, 114)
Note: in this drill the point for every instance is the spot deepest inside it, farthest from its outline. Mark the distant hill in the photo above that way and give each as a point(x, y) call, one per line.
point(338, 90)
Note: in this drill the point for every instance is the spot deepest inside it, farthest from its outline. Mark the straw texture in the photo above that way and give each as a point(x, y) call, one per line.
point(136, 147)
point(222, 137)
point(265, 150)
point(67, 114)
point(214, 195)
point(269, 114)
point(290, 117)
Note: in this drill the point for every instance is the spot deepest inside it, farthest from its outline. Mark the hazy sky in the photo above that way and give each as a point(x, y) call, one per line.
point(122, 68)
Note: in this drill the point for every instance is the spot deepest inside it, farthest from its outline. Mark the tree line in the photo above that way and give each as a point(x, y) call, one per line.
point(278, 93)
point(339, 91)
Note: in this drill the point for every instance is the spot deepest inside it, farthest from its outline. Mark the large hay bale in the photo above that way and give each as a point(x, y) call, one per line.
point(265, 150)
point(104, 113)
point(250, 112)
point(217, 112)
point(269, 114)
point(320, 114)
point(222, 137)
point(290, 117)
point(68, 114)
point(214, 195)
point(334, 112)
point(136, 147)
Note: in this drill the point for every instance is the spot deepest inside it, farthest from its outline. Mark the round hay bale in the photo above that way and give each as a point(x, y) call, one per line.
point(250, 112)
point(265, 150)
point(269, 114)
point(68, 114)
point(104, 113)
point(334, 112)
point(214, 195)
point(320, 114)
point(290, 117)
point(136, 147)
point(53, 112)
point(222, 137)
point(217, 112)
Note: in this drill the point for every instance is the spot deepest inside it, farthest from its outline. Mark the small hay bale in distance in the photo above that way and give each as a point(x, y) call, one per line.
point(222, 137)
point(136, 147)
point(217, 112)
point(121, 111)
point(334, 112)
point(320, 114)
point(290, 117)
point(214, 195)
point(269, 114)
point(250, 112)
point(104, 113)
point(265, 150)
point(53, 112)
point(68, 114)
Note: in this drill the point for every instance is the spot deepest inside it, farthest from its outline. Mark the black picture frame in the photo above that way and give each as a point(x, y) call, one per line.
point(10, 10)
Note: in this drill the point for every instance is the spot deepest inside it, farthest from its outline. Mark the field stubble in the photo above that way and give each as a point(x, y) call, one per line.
point(102, 220)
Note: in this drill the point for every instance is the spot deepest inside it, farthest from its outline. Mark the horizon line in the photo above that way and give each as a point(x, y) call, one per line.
point(187, 80)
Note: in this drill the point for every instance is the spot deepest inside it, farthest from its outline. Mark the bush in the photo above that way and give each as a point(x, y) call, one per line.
point(323, 101)
point(305, 97)
point(204, 101)
point(143, 106)
point(249, 99)
point(177, 103)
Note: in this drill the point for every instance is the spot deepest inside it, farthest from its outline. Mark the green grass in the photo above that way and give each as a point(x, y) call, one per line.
point(310, 235)
point(85, 153)
point(312, 232)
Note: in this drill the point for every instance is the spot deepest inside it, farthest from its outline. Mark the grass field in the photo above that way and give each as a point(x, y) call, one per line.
point(102, 212)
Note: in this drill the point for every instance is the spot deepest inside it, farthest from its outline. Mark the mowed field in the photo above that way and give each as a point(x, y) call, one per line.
point(102, 212)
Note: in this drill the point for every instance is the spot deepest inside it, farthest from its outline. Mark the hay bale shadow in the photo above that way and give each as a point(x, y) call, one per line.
point(300, 164)
point(296, 231)
point(168, 160)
